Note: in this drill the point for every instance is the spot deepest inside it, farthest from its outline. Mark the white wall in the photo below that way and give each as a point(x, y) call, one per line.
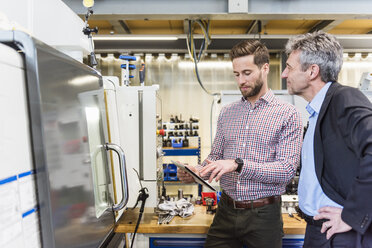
point(50, 21)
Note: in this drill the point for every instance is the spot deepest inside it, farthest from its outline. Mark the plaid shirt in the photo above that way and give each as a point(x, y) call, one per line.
point(267, 137)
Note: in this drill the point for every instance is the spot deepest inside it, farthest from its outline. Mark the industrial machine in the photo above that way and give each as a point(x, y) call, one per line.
point(56, 180)
point(365, 84)
point(134, 114)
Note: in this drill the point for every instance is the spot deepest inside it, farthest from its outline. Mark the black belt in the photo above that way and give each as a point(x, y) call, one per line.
point(310, 220)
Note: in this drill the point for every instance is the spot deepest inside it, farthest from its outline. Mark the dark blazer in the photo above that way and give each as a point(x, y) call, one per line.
point(343, 153)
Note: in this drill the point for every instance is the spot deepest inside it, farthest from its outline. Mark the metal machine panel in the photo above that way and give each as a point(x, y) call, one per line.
point(67, 137)
point(128, 116)
point(110, 84)
point(136, 121)
point(19, 225)
point(149, 133)
point(230, 96)
point(365, 85)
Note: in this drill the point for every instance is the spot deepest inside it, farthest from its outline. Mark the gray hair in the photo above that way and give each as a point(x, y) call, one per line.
point(321, 49)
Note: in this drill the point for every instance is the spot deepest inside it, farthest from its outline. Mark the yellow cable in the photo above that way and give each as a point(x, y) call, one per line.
point(111, 158)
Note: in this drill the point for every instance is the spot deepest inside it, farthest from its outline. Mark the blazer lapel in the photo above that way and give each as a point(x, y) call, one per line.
point(318, 145)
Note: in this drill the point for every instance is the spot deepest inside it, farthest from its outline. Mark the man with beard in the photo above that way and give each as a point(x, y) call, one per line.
point(254, 155)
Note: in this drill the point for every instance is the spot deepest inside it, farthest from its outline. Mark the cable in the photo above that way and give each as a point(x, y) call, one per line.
point(211, 122)
point(204, 25)
point(143, 195)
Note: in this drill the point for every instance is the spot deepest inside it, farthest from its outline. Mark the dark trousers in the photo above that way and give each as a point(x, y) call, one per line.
point(315, 239)
point(255, 228)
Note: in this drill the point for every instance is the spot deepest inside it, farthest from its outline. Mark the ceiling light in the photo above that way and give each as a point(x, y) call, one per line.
point(131, 37)
point(88, 3)
point(206, 65)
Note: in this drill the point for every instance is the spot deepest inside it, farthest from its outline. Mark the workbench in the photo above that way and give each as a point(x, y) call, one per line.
point(196, 225)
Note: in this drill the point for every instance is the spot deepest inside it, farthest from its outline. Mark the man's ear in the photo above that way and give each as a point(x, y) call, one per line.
point(314, 71)
point(266, 68)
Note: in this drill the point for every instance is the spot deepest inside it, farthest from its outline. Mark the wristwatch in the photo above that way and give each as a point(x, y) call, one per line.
point(240, 163)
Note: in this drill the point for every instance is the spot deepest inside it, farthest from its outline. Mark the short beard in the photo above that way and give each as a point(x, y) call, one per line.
point(257, 88)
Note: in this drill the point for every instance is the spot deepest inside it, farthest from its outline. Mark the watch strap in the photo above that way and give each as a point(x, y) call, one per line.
point(240, 163)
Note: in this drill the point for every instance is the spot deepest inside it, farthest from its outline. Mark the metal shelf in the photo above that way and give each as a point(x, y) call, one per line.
point(182, 152)
point(190, 151)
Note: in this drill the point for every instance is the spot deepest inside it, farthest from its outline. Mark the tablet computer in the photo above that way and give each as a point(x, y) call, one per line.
point(197, 178)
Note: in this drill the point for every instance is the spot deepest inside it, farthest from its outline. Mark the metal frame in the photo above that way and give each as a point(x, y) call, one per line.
point(27, 45)
point(219, 9)
point(221, 43)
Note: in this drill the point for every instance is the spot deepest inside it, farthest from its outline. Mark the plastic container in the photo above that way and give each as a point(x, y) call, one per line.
point(210, 195)
point(177, 145)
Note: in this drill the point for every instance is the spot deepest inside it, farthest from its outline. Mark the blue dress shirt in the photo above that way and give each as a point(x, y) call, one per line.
point(310, 194)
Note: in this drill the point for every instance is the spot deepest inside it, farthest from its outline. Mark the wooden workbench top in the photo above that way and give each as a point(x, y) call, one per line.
point(196, 224)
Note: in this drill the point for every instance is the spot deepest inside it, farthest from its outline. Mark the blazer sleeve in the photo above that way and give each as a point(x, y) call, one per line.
point(354, 113)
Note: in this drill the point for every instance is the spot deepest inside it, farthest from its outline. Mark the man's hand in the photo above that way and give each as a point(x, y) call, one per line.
point(335, 223)
point(186, 177)
point(218, 168)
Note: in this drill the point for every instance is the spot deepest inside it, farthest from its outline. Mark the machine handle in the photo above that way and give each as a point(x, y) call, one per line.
point(123, 175)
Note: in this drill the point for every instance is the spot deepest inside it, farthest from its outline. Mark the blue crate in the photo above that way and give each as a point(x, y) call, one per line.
point(166, 176)
point(170, 172)
point(165, 168)
point(218, 196)
point(177, 145)
point(172, 168)
point(172, 176)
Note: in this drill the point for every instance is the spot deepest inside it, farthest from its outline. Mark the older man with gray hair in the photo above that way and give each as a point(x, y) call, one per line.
point(335, 187)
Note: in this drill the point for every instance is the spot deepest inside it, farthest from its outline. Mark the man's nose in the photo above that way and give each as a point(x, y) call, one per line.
point(241, 79)
point(285, 73)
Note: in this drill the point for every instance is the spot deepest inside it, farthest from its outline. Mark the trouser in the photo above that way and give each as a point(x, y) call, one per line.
point(254, 227)
point(315, 239)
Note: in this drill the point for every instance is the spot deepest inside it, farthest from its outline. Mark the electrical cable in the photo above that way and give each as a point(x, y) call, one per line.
point(143, 195)
point(211, 118)
point(204, 25)
point(206, 40)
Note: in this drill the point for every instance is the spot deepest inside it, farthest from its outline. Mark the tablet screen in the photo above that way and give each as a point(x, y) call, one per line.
point(197, 178)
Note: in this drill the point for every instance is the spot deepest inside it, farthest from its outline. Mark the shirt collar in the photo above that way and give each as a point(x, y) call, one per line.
point(268, 97)
point(316, 103)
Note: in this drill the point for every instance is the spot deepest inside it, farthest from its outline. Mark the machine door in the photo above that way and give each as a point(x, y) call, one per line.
point(68, 142)
point(74, 137)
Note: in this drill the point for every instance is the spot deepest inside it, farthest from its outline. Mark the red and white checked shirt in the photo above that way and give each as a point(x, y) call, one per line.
point(267, 137)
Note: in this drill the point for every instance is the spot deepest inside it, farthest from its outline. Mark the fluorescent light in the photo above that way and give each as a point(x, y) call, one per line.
point(132, 37)
point(206, 65)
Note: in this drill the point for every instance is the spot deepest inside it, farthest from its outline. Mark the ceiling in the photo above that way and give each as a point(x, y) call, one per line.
point(231, 27)
point(229, 20)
